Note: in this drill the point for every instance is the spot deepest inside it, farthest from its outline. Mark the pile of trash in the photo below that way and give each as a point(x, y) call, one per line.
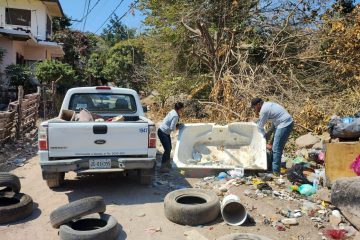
point(86, 116)
point(218, 155)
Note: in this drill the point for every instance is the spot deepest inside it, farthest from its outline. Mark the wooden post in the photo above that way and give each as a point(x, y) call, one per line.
point(19, 111)
point(44, 101)
point(53, 96)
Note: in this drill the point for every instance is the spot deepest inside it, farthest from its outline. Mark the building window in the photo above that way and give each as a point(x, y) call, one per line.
point(19, 17)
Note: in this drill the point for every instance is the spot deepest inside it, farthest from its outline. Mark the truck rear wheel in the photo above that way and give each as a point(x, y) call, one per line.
point(146, 176)
point(54, 180)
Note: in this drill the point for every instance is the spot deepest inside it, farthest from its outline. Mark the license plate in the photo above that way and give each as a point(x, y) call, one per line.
point(100, 163)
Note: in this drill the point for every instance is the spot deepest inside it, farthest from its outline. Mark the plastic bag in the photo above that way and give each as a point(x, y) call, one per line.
point(307, 190)
point(356, 165)
point(335, 233)
point(296, 175)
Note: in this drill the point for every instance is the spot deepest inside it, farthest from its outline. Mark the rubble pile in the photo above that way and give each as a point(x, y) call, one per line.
point(298, 196)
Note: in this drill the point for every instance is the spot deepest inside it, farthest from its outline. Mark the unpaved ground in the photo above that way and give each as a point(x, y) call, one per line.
point(127, 201)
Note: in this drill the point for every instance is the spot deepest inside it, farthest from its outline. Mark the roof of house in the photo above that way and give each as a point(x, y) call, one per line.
point(54, 8)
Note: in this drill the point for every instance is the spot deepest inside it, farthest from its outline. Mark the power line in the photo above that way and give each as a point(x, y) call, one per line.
point(122, 16)
point(87, 13)
point(110, 16)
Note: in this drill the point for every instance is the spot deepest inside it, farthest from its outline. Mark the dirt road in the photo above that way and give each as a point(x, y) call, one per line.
point(138, 208)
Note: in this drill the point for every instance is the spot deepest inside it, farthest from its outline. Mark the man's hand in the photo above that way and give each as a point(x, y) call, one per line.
point(179, 126)
point(268, 146)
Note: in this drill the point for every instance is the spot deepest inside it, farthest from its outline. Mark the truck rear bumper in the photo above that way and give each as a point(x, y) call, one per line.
point(79, 164)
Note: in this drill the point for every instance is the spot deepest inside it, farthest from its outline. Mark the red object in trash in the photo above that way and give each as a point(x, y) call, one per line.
point(335, 233)
point(356, 165)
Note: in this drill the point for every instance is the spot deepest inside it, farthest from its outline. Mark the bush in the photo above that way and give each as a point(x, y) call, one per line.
point(62, 73)
point(19, 75)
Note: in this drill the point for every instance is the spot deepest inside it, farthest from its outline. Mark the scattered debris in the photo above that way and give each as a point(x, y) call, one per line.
point(153, 230)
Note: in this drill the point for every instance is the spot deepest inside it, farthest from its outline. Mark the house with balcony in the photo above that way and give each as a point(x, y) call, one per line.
point(26, 29)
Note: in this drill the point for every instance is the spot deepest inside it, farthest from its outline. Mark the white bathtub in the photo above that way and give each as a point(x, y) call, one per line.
point(211, 146)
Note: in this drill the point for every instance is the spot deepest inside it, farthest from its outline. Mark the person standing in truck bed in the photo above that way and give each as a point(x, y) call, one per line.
point(281, 123)
point(169, 124)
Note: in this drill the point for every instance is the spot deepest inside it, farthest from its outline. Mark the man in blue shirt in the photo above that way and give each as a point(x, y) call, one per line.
point(169, 124)
point(281, 123)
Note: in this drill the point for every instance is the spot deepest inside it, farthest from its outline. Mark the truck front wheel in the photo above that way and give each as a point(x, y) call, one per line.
point(54, 180)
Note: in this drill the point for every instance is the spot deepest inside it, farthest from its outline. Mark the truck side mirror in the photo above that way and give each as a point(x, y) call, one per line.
point(145, 109)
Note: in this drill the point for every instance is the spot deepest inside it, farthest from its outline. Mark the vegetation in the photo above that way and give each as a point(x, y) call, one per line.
point(304, 54)
point(20, 75)
point(54, 71)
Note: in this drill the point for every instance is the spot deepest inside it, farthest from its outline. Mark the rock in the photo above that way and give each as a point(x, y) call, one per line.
point(345, 195)
point(223, 189)
point(307, 141)
point(334, 220)
point(323, 194)
point(318, 146)
point(290, 221)
point(140, 214)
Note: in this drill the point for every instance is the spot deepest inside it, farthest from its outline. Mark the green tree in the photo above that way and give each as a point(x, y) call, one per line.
point(19, 75)
point(63, 74)
point(116, 31)
point(60, 23)
point(122, 64)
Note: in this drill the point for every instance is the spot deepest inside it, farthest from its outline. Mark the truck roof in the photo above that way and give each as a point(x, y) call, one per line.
point(100, 89)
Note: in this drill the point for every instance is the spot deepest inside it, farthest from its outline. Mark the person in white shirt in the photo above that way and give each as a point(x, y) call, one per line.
point(281, 123)
point(169, 124)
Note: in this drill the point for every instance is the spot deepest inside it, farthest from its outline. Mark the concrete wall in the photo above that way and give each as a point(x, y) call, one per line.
point(10, 54)
point(38, 16)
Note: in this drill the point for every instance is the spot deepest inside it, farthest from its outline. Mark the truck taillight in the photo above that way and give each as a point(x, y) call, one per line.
point(42, 141)
point(152, 136)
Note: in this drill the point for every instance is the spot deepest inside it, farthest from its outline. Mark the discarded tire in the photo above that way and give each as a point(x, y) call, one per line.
point(191, 206)
point(77, 209)
point(243, 236)
point(99, 227)
point(14, 206)
point(10, 182)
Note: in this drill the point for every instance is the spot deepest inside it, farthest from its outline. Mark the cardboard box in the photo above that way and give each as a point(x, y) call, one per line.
point(338, 158)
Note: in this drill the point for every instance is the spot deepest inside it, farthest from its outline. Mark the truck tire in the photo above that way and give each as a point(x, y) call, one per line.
point(146, 176)
point(10, 181)
point(191, 206)
point(77, 209)
point(100, 227)
point(14, 206)
point(54, 180)
point(243, 236)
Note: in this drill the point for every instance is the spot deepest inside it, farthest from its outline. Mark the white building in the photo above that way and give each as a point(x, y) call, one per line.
point(25, 31)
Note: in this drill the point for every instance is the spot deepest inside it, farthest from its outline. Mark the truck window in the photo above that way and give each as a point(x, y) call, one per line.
point(103, 103)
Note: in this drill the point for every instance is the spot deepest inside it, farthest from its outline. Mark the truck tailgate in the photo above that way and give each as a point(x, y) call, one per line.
point(74, 139)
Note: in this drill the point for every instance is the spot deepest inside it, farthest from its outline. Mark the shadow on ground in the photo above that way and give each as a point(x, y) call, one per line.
point(123, 190)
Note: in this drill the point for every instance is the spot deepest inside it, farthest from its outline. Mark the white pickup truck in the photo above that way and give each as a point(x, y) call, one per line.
point(98, 146)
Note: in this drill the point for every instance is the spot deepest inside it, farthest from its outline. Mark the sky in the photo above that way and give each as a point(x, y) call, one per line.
point(75, 9)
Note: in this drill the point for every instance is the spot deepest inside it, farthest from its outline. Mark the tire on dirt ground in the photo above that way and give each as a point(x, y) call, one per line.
point(10, 181)
point(95, 226)
point(191, 206)
point(146, 176)
point(14, 206)
point(54, 180)
point(243, 236)
point(77, 209)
